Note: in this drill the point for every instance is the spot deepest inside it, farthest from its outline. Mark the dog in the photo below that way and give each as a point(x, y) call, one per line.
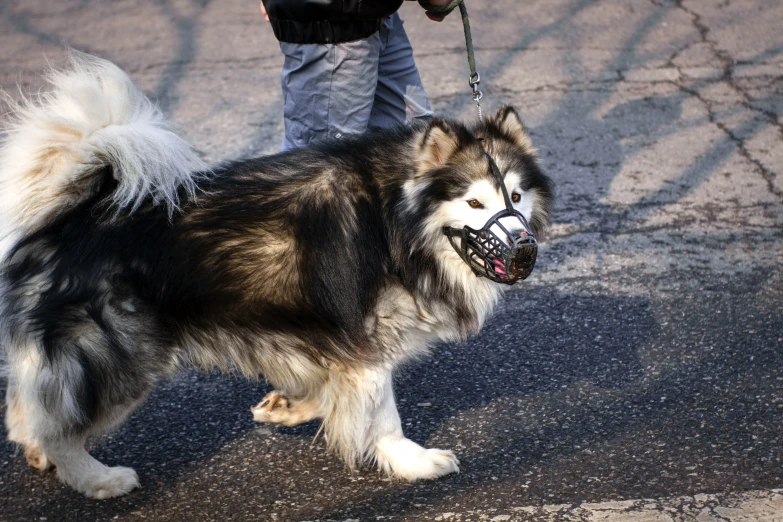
point(124, 258)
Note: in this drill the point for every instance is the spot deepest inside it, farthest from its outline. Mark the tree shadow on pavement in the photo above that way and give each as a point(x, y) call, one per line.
point(186, 422)
point(571, 374)
point(660, 410)
point(537, 342)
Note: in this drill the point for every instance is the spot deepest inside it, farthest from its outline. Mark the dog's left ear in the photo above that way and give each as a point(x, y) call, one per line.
point(437, 145)
point(510, 124)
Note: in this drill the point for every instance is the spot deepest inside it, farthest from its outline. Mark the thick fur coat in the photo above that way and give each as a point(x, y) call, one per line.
point(124, 258)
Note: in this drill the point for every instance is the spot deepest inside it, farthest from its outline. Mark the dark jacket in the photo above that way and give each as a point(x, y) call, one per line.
point(327, 21)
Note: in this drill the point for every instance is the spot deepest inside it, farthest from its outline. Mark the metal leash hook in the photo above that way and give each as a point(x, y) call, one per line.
point(474, 81)
point(442, 10)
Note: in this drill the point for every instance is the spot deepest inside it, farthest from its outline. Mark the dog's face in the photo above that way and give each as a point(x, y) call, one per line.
point(454, 185)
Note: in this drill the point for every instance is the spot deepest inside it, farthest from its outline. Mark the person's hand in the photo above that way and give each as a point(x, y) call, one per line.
point(263, 10)
point(434, 18)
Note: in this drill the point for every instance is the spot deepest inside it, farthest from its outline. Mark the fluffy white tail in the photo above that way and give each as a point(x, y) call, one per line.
point(57, 142)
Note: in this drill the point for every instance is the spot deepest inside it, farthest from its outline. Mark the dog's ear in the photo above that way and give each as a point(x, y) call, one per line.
point(438, 143)
point(510, 124)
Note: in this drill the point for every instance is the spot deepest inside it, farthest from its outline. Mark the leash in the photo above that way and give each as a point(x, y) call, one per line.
point(474, 79)
point(486, 254)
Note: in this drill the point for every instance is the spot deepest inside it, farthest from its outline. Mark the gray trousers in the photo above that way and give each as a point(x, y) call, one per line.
point(334, 89)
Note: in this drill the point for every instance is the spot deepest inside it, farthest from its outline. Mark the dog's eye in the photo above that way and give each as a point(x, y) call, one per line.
point(515, 197)
point(474, 203)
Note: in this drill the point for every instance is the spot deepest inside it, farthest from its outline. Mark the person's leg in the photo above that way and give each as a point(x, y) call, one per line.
point(328, 90)
point(400, 94)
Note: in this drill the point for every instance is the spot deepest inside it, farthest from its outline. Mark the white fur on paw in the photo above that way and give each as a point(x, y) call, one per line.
point(114, 482)
point(406, 459)
point(268, 409)
point(275, 407)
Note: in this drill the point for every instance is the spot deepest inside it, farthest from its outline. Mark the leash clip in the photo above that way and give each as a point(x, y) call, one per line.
point(474, 81)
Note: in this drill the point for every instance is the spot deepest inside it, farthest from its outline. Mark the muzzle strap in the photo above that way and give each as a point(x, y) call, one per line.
point(499, 178)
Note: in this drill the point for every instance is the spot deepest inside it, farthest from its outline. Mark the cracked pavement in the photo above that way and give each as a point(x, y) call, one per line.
point(636, 376)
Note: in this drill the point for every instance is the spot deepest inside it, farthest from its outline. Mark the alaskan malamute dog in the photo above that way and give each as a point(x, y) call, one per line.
point(124, 259)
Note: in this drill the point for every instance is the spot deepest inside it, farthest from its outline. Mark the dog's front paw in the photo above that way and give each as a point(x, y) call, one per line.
point(433, 464)
point(279, 409)
point(111, 482)
point(406, 459)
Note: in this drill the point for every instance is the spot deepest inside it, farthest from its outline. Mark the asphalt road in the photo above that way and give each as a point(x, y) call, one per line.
point(642, 360)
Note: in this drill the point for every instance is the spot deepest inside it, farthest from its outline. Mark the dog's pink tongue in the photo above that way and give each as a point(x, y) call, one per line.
point(499, 267)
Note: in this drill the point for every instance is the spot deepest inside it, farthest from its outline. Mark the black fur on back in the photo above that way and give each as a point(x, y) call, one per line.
point(298, 244)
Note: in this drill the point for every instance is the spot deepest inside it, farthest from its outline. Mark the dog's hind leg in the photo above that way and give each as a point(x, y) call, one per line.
point(62, 441)
point(85, 474)
point(363, 424)
point(55, 423)
point(83, 377)
point(18, 423)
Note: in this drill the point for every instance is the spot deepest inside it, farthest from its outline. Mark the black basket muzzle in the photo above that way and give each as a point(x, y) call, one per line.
point(502, 251)
point(503, 257)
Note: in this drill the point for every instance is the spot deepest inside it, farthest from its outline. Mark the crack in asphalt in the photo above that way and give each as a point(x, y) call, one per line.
point(645, 276)
point(728, 77)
